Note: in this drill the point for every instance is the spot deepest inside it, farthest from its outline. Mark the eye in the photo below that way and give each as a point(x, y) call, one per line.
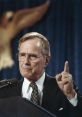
point(33, 56)
point(22, 54)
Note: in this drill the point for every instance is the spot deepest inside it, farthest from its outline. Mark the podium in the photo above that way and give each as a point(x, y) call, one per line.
point(20, 107)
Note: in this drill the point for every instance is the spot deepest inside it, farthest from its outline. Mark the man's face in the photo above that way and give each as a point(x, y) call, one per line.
point(31, 60)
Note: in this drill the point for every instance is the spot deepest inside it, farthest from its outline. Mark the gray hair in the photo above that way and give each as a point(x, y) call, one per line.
point(44, 42)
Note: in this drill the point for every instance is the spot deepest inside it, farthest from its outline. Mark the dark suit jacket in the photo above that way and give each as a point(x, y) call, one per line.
point(53, 98)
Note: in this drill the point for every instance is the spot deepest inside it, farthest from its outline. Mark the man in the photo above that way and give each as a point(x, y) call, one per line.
point(56, 95)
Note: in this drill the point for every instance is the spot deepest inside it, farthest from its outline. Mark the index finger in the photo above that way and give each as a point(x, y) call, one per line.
point(66, 67)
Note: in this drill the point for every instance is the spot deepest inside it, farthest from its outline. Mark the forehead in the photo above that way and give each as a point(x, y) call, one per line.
point(30, 45)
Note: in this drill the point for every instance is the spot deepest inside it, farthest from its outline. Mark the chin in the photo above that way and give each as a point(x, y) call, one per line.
point(28, 76)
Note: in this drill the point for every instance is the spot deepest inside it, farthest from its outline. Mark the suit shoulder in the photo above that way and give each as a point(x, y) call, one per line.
point(50, 80)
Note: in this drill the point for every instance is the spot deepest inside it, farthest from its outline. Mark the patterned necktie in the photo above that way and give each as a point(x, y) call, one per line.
point(35, 98)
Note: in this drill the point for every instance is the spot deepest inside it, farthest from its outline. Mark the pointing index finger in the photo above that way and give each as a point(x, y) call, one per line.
point(66, 67)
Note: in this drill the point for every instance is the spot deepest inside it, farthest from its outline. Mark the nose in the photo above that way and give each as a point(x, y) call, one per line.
point(27, 59)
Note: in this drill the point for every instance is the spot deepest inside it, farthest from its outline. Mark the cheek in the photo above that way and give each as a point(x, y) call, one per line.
point(39, 66)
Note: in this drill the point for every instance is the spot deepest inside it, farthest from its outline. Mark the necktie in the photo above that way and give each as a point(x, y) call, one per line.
point(35, 98)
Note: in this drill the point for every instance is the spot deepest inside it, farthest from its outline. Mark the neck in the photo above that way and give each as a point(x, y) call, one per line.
point(34, 79)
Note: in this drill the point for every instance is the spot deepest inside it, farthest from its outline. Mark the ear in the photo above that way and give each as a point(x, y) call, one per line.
point(47, 59)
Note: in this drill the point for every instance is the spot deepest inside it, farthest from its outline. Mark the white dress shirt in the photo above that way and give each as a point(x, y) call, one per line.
point(27, 90)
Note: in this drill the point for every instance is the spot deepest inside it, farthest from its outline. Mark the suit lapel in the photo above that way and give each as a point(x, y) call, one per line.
point(20, 87)
point(49, 90)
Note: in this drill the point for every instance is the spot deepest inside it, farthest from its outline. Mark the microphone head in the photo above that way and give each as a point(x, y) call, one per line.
point(9, 82)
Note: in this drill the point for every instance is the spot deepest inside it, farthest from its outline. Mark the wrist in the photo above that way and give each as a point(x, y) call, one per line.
point(71, 95)
point(74, 100)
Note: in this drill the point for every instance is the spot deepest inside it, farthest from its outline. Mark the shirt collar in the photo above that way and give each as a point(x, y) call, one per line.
point(25, 85)
point(39, 82)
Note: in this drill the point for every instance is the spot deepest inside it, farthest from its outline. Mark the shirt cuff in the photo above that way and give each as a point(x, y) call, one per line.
point(74, 100)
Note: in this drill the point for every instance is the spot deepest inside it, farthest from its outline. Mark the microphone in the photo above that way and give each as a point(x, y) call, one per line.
point(9, 82)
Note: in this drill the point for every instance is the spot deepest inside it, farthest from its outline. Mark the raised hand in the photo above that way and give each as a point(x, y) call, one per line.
point(65, 82)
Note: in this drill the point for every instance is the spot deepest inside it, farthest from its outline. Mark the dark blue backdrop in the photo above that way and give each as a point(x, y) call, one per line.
point(62, 25)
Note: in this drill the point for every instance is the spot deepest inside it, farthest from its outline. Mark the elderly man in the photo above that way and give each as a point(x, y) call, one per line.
point(56, 95)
